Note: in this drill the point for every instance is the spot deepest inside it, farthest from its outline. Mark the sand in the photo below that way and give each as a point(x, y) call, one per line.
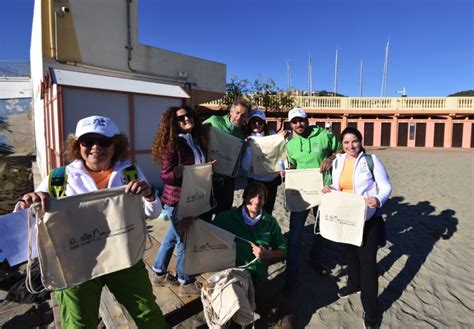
point(426, 278)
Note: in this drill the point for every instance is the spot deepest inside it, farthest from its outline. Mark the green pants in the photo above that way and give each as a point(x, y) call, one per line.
point(131, 287)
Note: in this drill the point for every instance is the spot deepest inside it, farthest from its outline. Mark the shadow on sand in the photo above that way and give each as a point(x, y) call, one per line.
point(412, 230)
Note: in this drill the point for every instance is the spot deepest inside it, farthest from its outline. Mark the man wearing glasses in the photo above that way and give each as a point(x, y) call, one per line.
point(310, 147)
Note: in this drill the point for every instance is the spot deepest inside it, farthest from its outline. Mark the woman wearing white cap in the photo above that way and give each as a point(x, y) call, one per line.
point(257, 128)
point(99, 155)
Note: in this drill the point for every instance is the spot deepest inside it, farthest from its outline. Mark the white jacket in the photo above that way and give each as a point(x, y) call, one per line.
point(363, 182)
point(79, 181)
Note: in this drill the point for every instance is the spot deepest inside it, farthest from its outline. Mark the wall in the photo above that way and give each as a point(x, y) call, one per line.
point(137, 116)
point(95, 33)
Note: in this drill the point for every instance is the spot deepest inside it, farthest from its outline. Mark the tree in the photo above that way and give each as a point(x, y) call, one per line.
point(465, 93)
point(234, 89)
point(263, 93)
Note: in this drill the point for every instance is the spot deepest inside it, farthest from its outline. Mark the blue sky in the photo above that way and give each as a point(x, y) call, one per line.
point(431, 41)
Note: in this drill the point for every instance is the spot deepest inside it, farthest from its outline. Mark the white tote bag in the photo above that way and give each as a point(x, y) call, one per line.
point(84, 236)
point(196, 191)
point(267, 154)
point(342, 217)
point(226, 150)
point(208, 248)
point(302, 189)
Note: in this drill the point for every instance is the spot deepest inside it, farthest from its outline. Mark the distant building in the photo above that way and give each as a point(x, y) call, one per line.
point(86, 59)
point(441, 122)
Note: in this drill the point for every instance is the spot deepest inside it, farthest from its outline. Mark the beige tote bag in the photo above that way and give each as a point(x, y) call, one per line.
point(227, 295)
point(84, 236)
point(226, 150)
point(208, 248)
point(302, 189)
point(196, 191)
point(267, 153)
point(342, 217)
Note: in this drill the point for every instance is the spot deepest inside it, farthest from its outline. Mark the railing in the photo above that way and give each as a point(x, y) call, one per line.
point(378, 103)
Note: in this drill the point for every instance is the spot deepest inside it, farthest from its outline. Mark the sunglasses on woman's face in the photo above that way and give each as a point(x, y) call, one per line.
point(182, 118)
point(99, 141)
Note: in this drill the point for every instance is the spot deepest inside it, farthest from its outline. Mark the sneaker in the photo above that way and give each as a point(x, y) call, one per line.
point(164, 280)
point(288, 321)
point(190, 289)
point(371, 324)
point(347, 291)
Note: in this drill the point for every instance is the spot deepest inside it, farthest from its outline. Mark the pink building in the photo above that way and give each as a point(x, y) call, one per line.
point(393, 122)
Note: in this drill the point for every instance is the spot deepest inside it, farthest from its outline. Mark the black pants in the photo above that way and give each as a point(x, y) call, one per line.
point(223, 187)
point(272, 187)
point(362, 267)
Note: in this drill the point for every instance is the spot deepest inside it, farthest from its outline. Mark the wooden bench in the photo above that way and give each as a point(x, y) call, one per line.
point(175, 308)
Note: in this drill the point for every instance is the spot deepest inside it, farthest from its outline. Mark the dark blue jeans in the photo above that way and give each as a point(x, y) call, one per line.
point(295, 235)
point(171, 240)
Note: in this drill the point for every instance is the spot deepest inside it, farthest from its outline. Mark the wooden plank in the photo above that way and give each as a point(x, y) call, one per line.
point(175, 308)
point(113, 314)
point(56, 311)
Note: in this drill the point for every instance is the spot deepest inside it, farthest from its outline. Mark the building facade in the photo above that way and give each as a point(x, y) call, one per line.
point(443, 122)
point(86, 59)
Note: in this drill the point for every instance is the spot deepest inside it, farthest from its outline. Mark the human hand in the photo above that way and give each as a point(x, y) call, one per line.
point(259, 251)
point(29, 198)
point(142, 188)
point(372, 202)
point(214, 163)
point(326, 189)
point(284, 132)
point(325, 165)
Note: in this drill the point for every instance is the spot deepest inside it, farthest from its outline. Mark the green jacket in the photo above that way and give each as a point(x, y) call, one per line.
point(308, 152)
point(267, 233)
point(223, 124)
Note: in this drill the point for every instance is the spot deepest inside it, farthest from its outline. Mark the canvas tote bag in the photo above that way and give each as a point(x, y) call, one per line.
point(227, 295)
point(226, 150)
point(302, 189)
point(196, 191)
point(208, 248)
point(84, 236)
point(342, 217)
point(267, 154)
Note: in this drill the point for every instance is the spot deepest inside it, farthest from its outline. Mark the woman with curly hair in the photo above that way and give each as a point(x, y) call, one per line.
point(180, 141)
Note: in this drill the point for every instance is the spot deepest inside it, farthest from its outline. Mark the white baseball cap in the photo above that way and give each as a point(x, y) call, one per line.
point(328, 125)
point(96, 124)
point(257, 113)
point(297, 112)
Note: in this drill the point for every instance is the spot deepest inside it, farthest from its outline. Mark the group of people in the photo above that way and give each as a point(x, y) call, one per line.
point(99, 153)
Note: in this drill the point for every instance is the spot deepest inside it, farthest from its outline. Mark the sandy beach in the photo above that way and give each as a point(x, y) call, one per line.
point(426, 267)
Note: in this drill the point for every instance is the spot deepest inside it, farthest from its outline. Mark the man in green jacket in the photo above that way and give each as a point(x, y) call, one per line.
point(310, 147)
point(223, 186)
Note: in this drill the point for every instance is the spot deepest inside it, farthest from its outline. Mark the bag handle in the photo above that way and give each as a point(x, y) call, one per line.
point(32, 211)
